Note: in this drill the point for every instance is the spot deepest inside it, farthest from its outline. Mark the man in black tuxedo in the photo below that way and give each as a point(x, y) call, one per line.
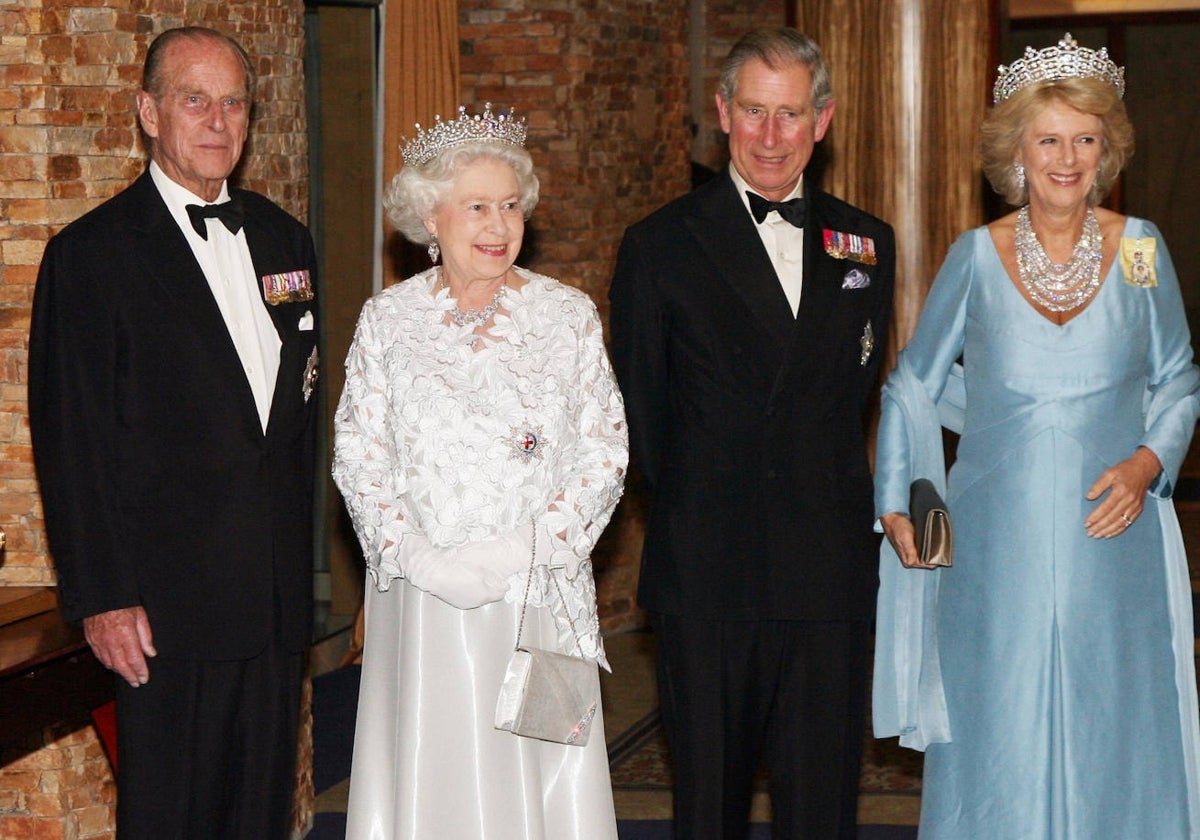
point(172, 363)
point(748, 320)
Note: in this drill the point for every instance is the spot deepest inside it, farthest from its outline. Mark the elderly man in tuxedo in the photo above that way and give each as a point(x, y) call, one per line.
point(172, 363)
point(748, 319)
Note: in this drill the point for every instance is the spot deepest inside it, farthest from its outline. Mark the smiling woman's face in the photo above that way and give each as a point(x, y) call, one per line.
point(1061, 152)
point(480, 224)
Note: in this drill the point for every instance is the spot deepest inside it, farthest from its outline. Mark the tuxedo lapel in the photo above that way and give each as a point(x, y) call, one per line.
point(724, 231)
point(822, 286)
point(264, 253)
point(821, 295)
point(270, 257)
point(168, 258)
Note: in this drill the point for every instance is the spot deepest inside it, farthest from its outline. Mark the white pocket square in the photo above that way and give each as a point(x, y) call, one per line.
point(856, 279)
point(306, 321)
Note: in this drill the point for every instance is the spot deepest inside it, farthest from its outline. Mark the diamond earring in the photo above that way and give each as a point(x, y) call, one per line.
point(434, 251)
point(1019, 171)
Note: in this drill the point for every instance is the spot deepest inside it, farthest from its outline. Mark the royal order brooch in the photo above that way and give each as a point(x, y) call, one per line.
point(526, 444)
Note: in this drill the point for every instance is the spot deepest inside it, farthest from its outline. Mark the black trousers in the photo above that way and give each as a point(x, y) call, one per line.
point(739, 694)
point(207, 749)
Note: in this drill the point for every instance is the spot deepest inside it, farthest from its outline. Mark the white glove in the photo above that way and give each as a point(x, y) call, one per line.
point(471, 575)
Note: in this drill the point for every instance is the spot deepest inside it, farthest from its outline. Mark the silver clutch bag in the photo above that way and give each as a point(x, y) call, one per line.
point(547, 695)
point(931, 521)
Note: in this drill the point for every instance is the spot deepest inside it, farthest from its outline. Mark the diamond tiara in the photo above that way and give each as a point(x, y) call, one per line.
point(1064, 61)
point(482, 128)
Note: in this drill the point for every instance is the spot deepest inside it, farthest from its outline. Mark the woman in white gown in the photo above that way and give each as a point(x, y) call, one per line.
point(480, 430)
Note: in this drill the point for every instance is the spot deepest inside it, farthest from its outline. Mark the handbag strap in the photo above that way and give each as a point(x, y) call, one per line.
point(525, 601)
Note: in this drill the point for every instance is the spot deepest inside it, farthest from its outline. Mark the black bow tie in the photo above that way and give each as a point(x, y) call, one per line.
point(791, 210)
point(229, 212)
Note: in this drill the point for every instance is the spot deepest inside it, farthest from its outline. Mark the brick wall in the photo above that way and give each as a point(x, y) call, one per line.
point(724, 22)
point(604, 87)
point(68, 140)
point(608, 136)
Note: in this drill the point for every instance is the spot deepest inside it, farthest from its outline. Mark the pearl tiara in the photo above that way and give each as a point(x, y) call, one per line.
point(481, 128)
point(1064, 61)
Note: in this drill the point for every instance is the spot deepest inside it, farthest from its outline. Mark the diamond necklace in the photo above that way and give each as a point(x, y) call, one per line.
point(475, 317)
point(1059, 288)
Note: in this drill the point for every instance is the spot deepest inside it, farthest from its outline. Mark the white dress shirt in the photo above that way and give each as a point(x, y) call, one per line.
point(783, 240)
point(225, 259)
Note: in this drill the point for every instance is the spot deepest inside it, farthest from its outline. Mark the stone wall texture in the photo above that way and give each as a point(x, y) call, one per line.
point(56, 785)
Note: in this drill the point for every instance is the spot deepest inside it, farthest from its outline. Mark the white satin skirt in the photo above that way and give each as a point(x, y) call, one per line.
point(428, 763)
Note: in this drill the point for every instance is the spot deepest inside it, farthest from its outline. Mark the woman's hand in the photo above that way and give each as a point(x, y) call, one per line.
point(465, 584)
point(1126, 484)
point(474, 574)
point(902, 536)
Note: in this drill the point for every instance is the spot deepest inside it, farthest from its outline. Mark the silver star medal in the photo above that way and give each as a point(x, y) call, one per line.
point(867, 342)
point(526, 444)
point(311, 372)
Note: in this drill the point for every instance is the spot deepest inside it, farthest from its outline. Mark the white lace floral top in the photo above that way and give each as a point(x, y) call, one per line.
point(441, 433)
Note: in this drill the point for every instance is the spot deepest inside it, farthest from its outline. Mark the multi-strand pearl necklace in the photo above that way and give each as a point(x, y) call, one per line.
point(1059, 288)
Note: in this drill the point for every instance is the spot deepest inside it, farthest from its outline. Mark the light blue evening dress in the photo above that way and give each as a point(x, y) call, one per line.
point(1057, 651)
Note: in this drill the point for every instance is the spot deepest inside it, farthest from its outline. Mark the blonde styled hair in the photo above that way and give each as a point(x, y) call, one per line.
point(1005, 126)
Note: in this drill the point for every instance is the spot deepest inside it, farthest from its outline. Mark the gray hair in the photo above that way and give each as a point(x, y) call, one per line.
point(416, 191)
point(153, 70)
point(776, 46)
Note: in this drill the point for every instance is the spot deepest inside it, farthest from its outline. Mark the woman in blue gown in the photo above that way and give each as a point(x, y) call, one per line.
point(1049, 672)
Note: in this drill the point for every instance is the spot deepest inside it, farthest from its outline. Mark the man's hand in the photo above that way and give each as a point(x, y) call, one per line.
point(121, 640)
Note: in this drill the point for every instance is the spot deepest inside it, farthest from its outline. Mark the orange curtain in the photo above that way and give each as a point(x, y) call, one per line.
point(910, 81)
point(421, 79)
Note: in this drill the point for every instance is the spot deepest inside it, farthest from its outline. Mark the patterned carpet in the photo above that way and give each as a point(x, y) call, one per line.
point(640, 761)
point(641, 766)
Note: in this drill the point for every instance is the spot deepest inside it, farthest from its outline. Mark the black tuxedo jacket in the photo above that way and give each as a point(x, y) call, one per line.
point(747, 422)
point(158, 484)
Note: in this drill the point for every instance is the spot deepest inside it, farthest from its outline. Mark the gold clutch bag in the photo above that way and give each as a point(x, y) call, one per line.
point(931, 521)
